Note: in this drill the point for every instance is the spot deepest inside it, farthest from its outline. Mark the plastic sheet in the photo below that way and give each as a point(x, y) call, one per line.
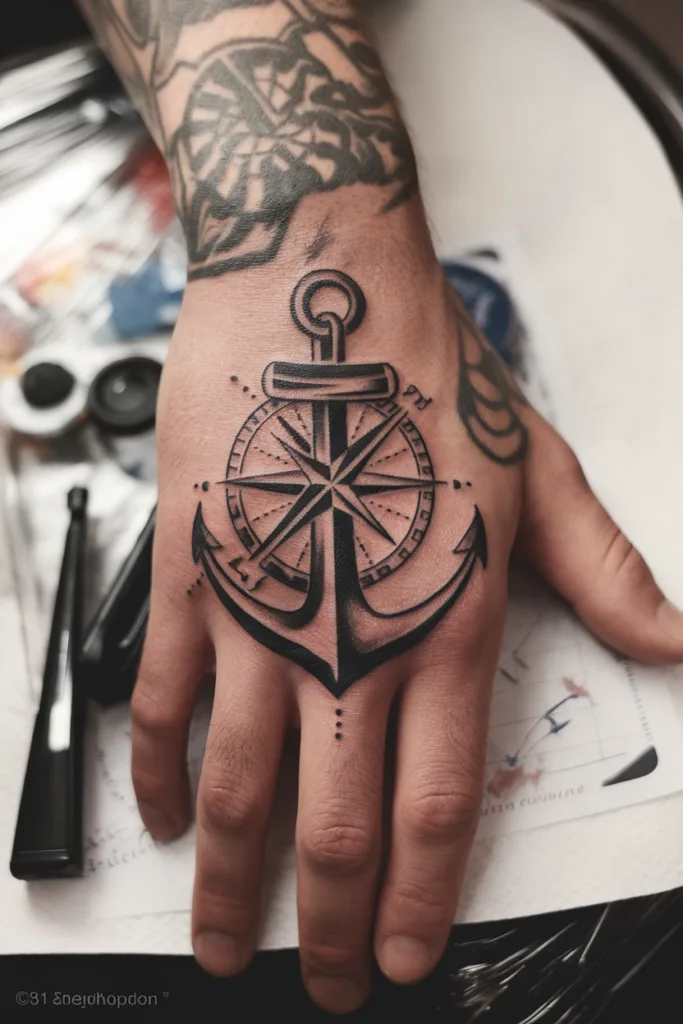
point(559, 968)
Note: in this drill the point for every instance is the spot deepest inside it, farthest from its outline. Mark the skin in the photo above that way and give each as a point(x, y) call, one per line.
point(538, 504)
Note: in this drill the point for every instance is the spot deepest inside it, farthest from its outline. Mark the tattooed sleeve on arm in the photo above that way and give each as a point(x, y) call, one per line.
point(270, 118)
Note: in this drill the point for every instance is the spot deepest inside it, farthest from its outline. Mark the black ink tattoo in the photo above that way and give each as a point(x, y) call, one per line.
point(343, 442)
point(244, 388)
point(268, 121)
point(418, 399)
point(197, 583)
point(487, 396)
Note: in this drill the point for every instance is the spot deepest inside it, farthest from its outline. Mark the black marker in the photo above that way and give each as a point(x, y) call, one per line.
point(113, 640)
point(48, 842)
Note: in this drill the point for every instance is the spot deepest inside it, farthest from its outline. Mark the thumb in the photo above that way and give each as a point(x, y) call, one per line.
point(567, 535)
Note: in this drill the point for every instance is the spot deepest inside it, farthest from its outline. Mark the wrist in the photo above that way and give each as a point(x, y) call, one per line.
point(391, 258)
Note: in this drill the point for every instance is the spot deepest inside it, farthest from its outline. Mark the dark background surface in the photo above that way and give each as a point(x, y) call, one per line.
point(271, 989)
point(272, 984)
point(33, 24)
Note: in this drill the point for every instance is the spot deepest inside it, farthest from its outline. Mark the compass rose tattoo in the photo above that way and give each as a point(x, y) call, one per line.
point(330, 490)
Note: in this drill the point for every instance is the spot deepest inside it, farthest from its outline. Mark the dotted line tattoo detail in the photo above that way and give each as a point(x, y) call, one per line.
point(278, 508)
point(384, 508)
point(245, 387)
point(385, 458)
point(197, 583)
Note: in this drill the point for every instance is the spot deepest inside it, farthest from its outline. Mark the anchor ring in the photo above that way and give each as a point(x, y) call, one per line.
point(318, 326)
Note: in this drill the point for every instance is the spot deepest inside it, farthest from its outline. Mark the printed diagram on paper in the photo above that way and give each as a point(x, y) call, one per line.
point(574, 728)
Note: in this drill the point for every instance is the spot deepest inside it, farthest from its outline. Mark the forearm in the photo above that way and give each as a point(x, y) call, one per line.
point(276, 120)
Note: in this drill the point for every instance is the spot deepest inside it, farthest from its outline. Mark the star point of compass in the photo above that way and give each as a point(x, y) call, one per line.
point(323, 485)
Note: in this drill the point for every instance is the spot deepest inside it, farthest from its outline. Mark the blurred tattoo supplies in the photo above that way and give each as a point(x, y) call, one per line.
point(48, 841)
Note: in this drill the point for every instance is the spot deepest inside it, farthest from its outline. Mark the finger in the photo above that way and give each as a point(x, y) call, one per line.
point(174, 660)
point(236, 788)
point(568, 536)
point(439, 764)
point(338, 839)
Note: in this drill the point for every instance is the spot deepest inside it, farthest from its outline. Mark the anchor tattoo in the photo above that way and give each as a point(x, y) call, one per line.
point(330, 490)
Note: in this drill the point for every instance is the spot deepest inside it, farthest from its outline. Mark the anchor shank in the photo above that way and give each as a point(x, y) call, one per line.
point(329, 418)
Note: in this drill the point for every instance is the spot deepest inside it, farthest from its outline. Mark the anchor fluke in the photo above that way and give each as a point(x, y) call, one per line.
point(474, 540)
point(202, 538)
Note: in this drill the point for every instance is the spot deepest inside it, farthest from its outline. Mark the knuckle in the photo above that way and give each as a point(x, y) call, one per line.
point(336, 847)
point(326, 959)
point(436, 815)
point(150, 787)
point(150, 711)
point(478, 623)
point(559, 458)
point(621, 560)
point(571, 468)
point(218, 903)
point(227, 809)
point(474, 634)
point(412, 901)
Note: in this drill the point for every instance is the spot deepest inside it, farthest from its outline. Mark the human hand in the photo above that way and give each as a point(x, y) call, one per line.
point(353, 554)
point(312, 572)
